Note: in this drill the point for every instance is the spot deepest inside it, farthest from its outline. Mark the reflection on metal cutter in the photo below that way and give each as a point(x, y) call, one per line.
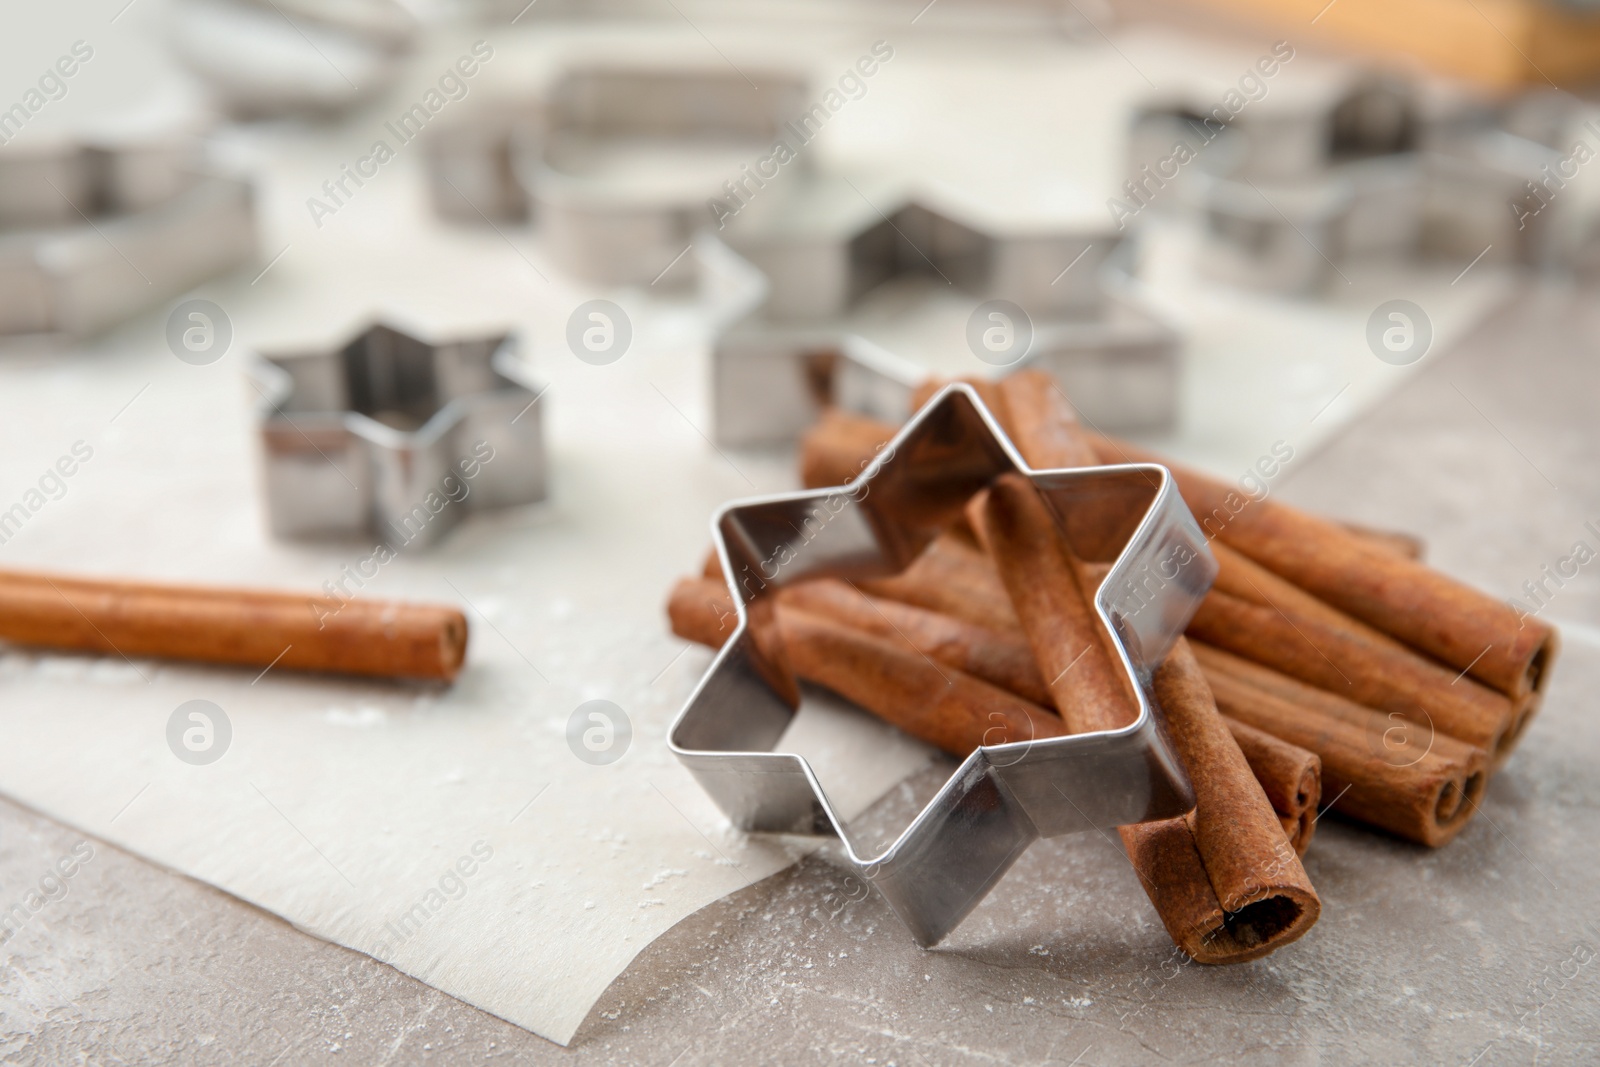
point(397, 436)
point(91, 234)
point(1002, 797)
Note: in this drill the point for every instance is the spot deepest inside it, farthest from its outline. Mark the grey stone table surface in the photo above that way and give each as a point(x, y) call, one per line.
point(1480, 953)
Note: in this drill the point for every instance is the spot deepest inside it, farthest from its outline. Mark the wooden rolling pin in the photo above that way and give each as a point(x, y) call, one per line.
point(246, 627)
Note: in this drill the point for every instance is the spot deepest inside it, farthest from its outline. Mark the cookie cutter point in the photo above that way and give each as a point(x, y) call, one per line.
point(1002, 797)
point(396, 433)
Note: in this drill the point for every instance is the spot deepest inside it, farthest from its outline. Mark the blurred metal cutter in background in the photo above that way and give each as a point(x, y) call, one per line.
point(91, 233)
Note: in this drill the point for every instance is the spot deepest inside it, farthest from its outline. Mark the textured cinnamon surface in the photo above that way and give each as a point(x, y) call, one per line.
point(243, 627)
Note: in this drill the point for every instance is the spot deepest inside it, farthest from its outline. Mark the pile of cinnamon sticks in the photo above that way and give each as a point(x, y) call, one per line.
point(1327, 665)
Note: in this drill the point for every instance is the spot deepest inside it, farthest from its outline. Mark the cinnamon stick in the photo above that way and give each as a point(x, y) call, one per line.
point(1290, 776)
point(1469, 630)
point(1344, 655)
point(941, 705)
point(1043, 424)
point(945, 707)
point(998, 657)
point(242, 627)
point(1377, 768)
point(1039, 575)
point(1361, 665)
point(1224, 879)
point(952, 577)
point(839, 446)
point(1256, 879)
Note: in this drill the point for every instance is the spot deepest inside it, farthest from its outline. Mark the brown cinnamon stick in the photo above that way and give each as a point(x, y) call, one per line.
point(1265, 896)
point(1289, 775)
point(839, 446)
point(1331, 650)
point(1224, 879)
point(243, 627)
point(1038, 574)
point(1378, 768)
point(1401, 544)
point(1043, 424)
point(953, 577)
point(942, 705)
point(1469, 630)
point(1001, 658)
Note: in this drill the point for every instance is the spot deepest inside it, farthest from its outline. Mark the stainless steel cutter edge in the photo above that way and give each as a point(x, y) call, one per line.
point(1001, 797)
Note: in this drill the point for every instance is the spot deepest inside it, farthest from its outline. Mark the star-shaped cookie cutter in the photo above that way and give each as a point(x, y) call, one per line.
point(396, 434)
point(1002, 797)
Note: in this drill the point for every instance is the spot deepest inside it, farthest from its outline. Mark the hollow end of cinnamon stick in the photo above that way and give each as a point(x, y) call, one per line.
point(1259, 928)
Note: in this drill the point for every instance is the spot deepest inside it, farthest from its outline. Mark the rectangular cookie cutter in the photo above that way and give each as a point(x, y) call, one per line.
point(92, 234)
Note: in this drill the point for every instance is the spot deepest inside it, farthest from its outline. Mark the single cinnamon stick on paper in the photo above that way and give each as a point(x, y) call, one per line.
point(1380, 769)
point(942, 705)
point(242, 627)
point(1224, 879)
point(1469, 630)
point(1290, 776)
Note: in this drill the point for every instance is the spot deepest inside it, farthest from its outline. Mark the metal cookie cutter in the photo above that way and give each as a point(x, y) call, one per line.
point(397, 436)
point(1002, 797)
point(614, 161)
point(92, 233)
point(1293, 184)
point(820, 251)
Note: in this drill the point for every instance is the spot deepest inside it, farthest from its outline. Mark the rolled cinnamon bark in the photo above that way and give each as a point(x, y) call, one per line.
point(1043, 424)
point(1358, 664)
point(1289, 775)
point(1265, 897)
point(953, 577)
point(939, 704)
point(1379, 769)
point(242, 627)
point(1039, 575)
point(1001, 658)
point(701, 610)
point(1224, 879)
point(839, 446)
point(943, 706)
point(1469, 630)
point(1402, 544)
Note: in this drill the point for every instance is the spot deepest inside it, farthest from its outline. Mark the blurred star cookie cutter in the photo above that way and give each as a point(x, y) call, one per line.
point(396, 435)
point(1002, 797)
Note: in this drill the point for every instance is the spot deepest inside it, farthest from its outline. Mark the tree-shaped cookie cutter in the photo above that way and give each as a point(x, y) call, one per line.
point(1002, 797)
